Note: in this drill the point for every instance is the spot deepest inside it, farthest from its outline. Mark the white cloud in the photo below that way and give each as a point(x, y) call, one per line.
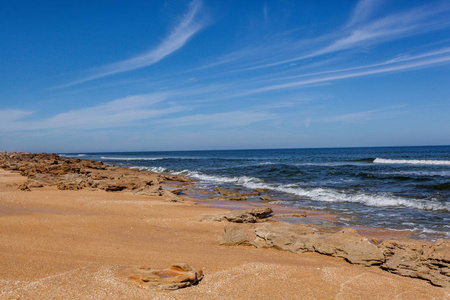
point(219, 120)
point(370, 71)
point(10, 115)
point(361, 34)
point(362, 115)
point(362, 11)
point(187, 28)
point(117, 113)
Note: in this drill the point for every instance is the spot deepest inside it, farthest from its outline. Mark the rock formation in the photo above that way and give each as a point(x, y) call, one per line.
point(73, 174)
point(241, 216)
point(175, 277)
point(406, 257)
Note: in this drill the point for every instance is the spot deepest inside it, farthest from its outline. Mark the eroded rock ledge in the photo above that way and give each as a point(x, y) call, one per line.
point(43, 169)
point(174, 277)
point(406, 257)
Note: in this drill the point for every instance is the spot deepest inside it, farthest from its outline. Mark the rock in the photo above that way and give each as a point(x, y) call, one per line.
point(24, 187)
point(154, 190)
point(236, 198)
point(350, 245)
point(235, 195)
point(34, 184)
point(295, 238)
point(44, 179)
point(266, 198)
point(406, 257)
point(177, 191)
point(63, 185)
point(175, 277)
point(291, 216)
point(226, 192)
point(235, 236)
point(170, 197)
point(419, 259)
point(298, 238)
point(241, 216)
point(73, 174)
point(177, 178)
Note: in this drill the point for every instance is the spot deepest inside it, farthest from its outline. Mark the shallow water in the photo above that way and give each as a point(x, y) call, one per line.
point(393, 187)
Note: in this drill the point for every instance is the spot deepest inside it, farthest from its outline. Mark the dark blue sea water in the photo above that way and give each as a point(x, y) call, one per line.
point(392, 187)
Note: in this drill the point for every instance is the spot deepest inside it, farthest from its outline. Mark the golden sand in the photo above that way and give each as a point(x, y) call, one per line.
point(80, 245)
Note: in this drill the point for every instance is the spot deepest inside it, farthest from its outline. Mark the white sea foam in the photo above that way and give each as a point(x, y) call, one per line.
point(72, 155)
point(419, 173)
point(318, 194)
point(132, 158)
point(374, 200)
point(411, 161)
point(428, 231)
point(155, 169)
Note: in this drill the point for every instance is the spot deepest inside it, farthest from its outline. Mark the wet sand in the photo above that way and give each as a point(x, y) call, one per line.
point(58, 244)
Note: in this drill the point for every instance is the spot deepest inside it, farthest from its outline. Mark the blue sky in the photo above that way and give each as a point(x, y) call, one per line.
point(84, 76)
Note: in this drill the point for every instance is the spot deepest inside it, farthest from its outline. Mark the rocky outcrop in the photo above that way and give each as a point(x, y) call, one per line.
point(267, 198)
point(425, 260)
point(406, 257)
point(235, 194)
point(74, 174)
point(175, 277)
point(236, 236)
point(241, 216)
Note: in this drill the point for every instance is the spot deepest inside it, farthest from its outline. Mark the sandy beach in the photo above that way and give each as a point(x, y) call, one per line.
point(84, 244)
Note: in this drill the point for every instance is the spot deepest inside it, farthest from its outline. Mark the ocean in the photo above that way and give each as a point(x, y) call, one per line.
point(391, 187)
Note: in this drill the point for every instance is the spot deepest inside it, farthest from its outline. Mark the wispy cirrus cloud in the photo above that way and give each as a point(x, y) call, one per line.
point(362, 11)
point(11, 115)
point(117, 113)
point(186, 29)
point(359, 32)
point(219, 120)
point(380, 68)
point(362, 116)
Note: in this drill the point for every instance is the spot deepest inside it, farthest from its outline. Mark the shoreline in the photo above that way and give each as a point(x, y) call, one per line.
point(125, 239)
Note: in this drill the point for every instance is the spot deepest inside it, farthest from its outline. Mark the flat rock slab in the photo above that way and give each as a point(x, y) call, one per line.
point(175, 277)
point(241, 216)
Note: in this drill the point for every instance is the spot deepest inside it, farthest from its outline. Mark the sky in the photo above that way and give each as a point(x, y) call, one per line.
point(97, 76)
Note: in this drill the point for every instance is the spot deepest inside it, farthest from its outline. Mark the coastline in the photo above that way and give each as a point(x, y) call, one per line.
point(60, 241)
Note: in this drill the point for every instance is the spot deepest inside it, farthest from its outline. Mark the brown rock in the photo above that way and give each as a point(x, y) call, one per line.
point(170, 197)
point(266, 198)
point(350, 245)
point(298, 238)
point(236, 198)
point(295, 238)
point(23, 187)
point(235, 236)
point(419, 259)
point(241, 216)
point(34, 184)
point(175, 277)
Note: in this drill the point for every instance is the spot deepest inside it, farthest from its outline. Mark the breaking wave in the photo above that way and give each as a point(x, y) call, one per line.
point(412, 161)
point(385, 200)
point(72, 155)
point(132, 158)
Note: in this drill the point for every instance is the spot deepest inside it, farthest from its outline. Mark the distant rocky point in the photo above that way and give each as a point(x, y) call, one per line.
point(44, 169)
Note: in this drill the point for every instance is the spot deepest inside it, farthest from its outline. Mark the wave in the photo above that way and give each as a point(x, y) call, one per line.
point(72, 155)
point(418, 173)
point(132, 158)
point(317, 194)
point(374, 200)
point(439, 186)
point(368, 160)
point(412, 161)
